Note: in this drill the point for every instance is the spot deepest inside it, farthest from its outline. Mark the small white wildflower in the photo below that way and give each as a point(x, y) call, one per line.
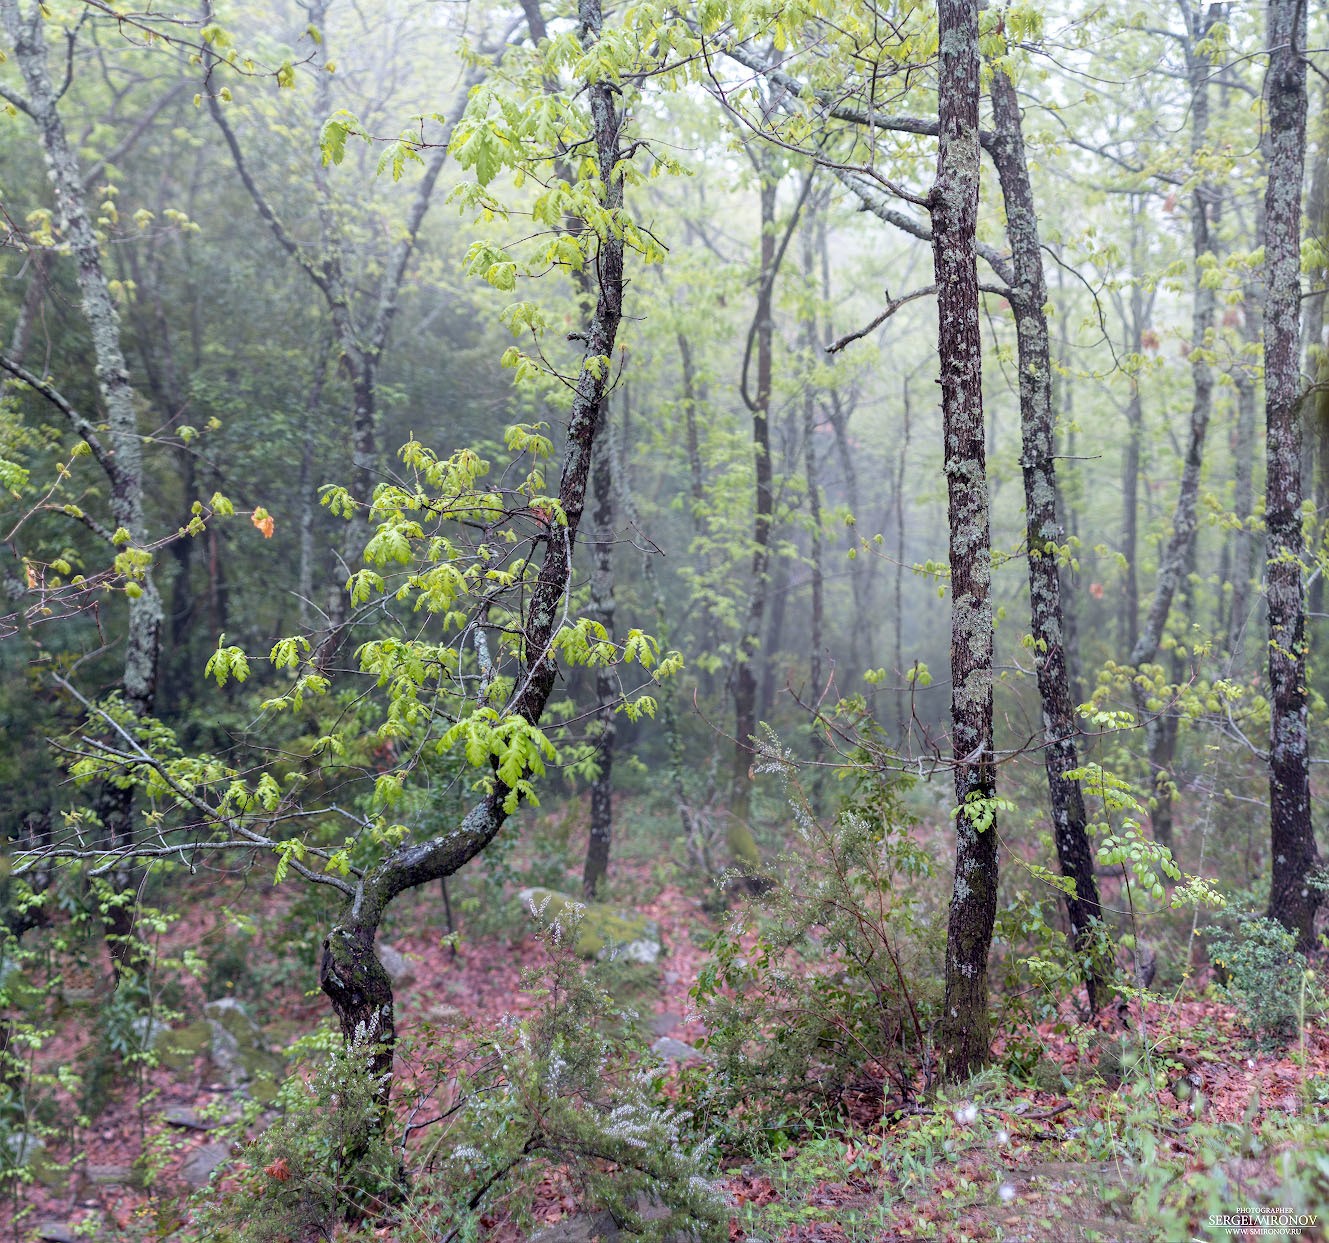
point(1250, 1063)
point(1006, 1192)
point(1003, 1137)
point(967, 1114)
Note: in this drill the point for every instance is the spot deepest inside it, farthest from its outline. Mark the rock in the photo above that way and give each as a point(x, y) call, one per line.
point(663, 1024)
point(110, 1175)
point(602, 932)
point(237, 1049)
point(199, 1165)
point(55, 1232)
point(676, 1051)
point(580, 1228)
point(187, 1120)
point(148, 1030)
point(400, 969)
point(23, 1147)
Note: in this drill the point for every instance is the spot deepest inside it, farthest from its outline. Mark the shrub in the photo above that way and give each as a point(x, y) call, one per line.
point(827, 984)
point(1259, 963)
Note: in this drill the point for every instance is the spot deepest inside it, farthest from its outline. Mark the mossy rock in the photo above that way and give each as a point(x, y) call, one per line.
point(602, 931)
point(179, 1048)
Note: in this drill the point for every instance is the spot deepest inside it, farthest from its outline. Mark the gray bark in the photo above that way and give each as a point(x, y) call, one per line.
point(965, 1031)
point(1292, 899)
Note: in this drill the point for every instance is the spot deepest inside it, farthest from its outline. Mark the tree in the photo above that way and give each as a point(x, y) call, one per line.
point(953, 202)
point(1292, 898)
point(120, 458)
point(1043, 533)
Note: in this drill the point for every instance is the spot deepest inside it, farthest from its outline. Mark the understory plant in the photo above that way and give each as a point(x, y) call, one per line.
point(1259, 965)
point(826, 985)
point(482, 1115)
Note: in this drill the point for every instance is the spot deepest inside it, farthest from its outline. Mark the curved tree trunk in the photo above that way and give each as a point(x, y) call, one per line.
point(351, 975)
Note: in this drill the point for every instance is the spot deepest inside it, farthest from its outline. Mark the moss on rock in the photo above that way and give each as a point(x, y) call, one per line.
point(601, 931)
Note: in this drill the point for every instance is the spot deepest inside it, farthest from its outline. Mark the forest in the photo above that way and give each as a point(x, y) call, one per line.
point(631, 620)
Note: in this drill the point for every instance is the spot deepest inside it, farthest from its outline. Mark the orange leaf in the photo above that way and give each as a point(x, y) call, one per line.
point(278, 1169)
point(264, 522)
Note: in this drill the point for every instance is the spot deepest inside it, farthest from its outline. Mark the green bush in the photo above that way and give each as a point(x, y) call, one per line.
point(1258, 962)
point(828, 983)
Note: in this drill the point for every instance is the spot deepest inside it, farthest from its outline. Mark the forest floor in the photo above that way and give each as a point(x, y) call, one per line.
point(1038, 1159)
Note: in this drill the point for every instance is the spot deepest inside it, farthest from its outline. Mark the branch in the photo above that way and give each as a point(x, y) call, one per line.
point(923, 126)
point(80, 422)
point(892, 305)
point(127, 143)
point(874, 201)
point(138, 754)
point(287, 242)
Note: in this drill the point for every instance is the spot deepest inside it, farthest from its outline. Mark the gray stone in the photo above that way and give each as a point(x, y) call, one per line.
point(110, 1175)
point(580, 1228)
point(148, 1030)
point(601, 931)
point(56, 1232)
point(663, 1024)
point(236, 1045)
point(23, 1147)
point(187, 1120)
point(676, 1051)
point(199, 1165)
point(400, 969)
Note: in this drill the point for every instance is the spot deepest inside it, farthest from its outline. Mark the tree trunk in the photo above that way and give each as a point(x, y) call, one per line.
point(1205, 203)
point(1043, 533)
point(1292, 900)
point(123, 465)
point(606, 688)
point(742, 845)
point(965, 1033)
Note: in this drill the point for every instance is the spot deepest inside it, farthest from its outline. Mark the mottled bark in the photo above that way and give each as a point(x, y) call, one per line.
point(351, 974)
point(1043, 533)
point(606, 688)
point(965, 1031)
point(1316, 365)
point(123, 463)
point(1292, 900)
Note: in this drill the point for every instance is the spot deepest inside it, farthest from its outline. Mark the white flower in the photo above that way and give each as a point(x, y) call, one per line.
point(1003, 1137)
point(1006, 1192)
point(967, 1114)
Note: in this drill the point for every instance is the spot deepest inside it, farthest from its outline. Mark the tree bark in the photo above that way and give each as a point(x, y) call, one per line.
point(123, 463)
point(606, 689)
point(1043, 532)
point(742, 844)
point(965, 1032)
point(1292, 900)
